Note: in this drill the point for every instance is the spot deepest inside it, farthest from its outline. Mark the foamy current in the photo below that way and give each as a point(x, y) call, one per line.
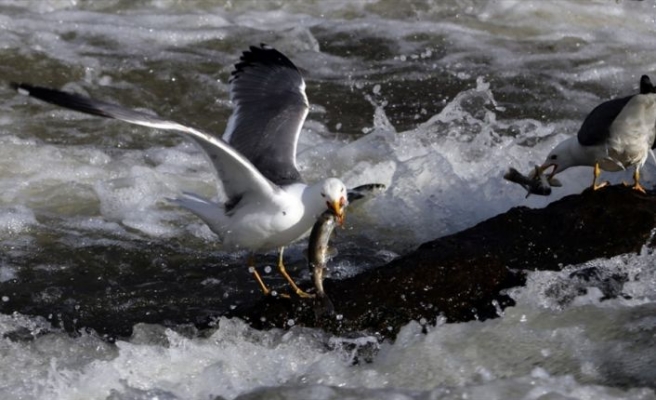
point(434, 99)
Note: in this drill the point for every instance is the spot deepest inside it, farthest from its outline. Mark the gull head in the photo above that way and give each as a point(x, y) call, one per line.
point(563, 156)
point(333, 193)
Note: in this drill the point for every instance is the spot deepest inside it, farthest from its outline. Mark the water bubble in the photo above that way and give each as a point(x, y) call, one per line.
point(339, 317)
point(251, 270)
point(267, 269)
point(5, 298)
point(290, 322)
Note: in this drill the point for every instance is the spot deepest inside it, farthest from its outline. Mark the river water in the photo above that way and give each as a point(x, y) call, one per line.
point(436, 99)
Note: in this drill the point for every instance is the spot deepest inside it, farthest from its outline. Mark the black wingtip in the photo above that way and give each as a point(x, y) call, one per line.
point(264, 55)
point(646, 86)
point(64, 99)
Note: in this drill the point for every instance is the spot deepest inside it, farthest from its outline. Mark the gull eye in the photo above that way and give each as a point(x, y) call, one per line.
point(323, 195)
point(553, 157)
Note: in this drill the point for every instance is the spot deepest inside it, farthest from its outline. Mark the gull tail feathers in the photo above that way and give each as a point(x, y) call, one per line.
point(616, 162)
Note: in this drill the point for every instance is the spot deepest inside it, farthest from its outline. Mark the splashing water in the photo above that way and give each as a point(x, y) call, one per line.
point(434, 99)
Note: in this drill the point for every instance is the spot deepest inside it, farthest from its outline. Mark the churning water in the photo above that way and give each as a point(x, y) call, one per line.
point(433, 98)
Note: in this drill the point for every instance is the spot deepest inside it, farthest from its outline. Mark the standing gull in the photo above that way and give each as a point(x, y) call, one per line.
point(268, 204)
point(617, 134)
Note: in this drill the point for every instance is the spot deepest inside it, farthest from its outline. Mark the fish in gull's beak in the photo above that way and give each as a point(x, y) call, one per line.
point(337, 207)
point(541, 169)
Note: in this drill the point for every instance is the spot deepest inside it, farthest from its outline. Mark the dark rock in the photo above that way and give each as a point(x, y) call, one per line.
point(459, 277)
point(462, 276)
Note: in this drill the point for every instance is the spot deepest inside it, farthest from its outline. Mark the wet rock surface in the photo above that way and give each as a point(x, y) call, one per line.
point(460, 277)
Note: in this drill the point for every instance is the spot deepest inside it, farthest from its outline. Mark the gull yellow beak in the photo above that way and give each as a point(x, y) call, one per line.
point(337, 207)
point(545, 167)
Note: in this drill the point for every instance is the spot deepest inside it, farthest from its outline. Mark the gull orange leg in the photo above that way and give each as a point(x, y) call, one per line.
point(281, 267)
point(597, 171)
point(636, 181)
point(256, 275)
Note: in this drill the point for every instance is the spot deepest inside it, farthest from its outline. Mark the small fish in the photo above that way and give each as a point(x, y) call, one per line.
point(318, 258)
point(318, 253)
point(535, 183)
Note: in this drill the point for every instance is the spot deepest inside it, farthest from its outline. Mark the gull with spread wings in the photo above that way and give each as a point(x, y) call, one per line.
point(268, 204)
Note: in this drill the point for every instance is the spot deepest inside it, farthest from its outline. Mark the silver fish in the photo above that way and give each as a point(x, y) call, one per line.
point(318, 258)
point(535, 183)
point(318, 254)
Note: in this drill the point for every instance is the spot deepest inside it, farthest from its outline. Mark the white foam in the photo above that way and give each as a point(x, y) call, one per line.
point(15, 220)
point(533, 351)
point(445, 175)
point(493, 357)
point(555, 290)
point(561, 341)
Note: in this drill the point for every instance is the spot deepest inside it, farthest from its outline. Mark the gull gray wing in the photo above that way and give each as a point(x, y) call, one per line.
point(268, 93)
point(237, 173)
point(596, 126)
